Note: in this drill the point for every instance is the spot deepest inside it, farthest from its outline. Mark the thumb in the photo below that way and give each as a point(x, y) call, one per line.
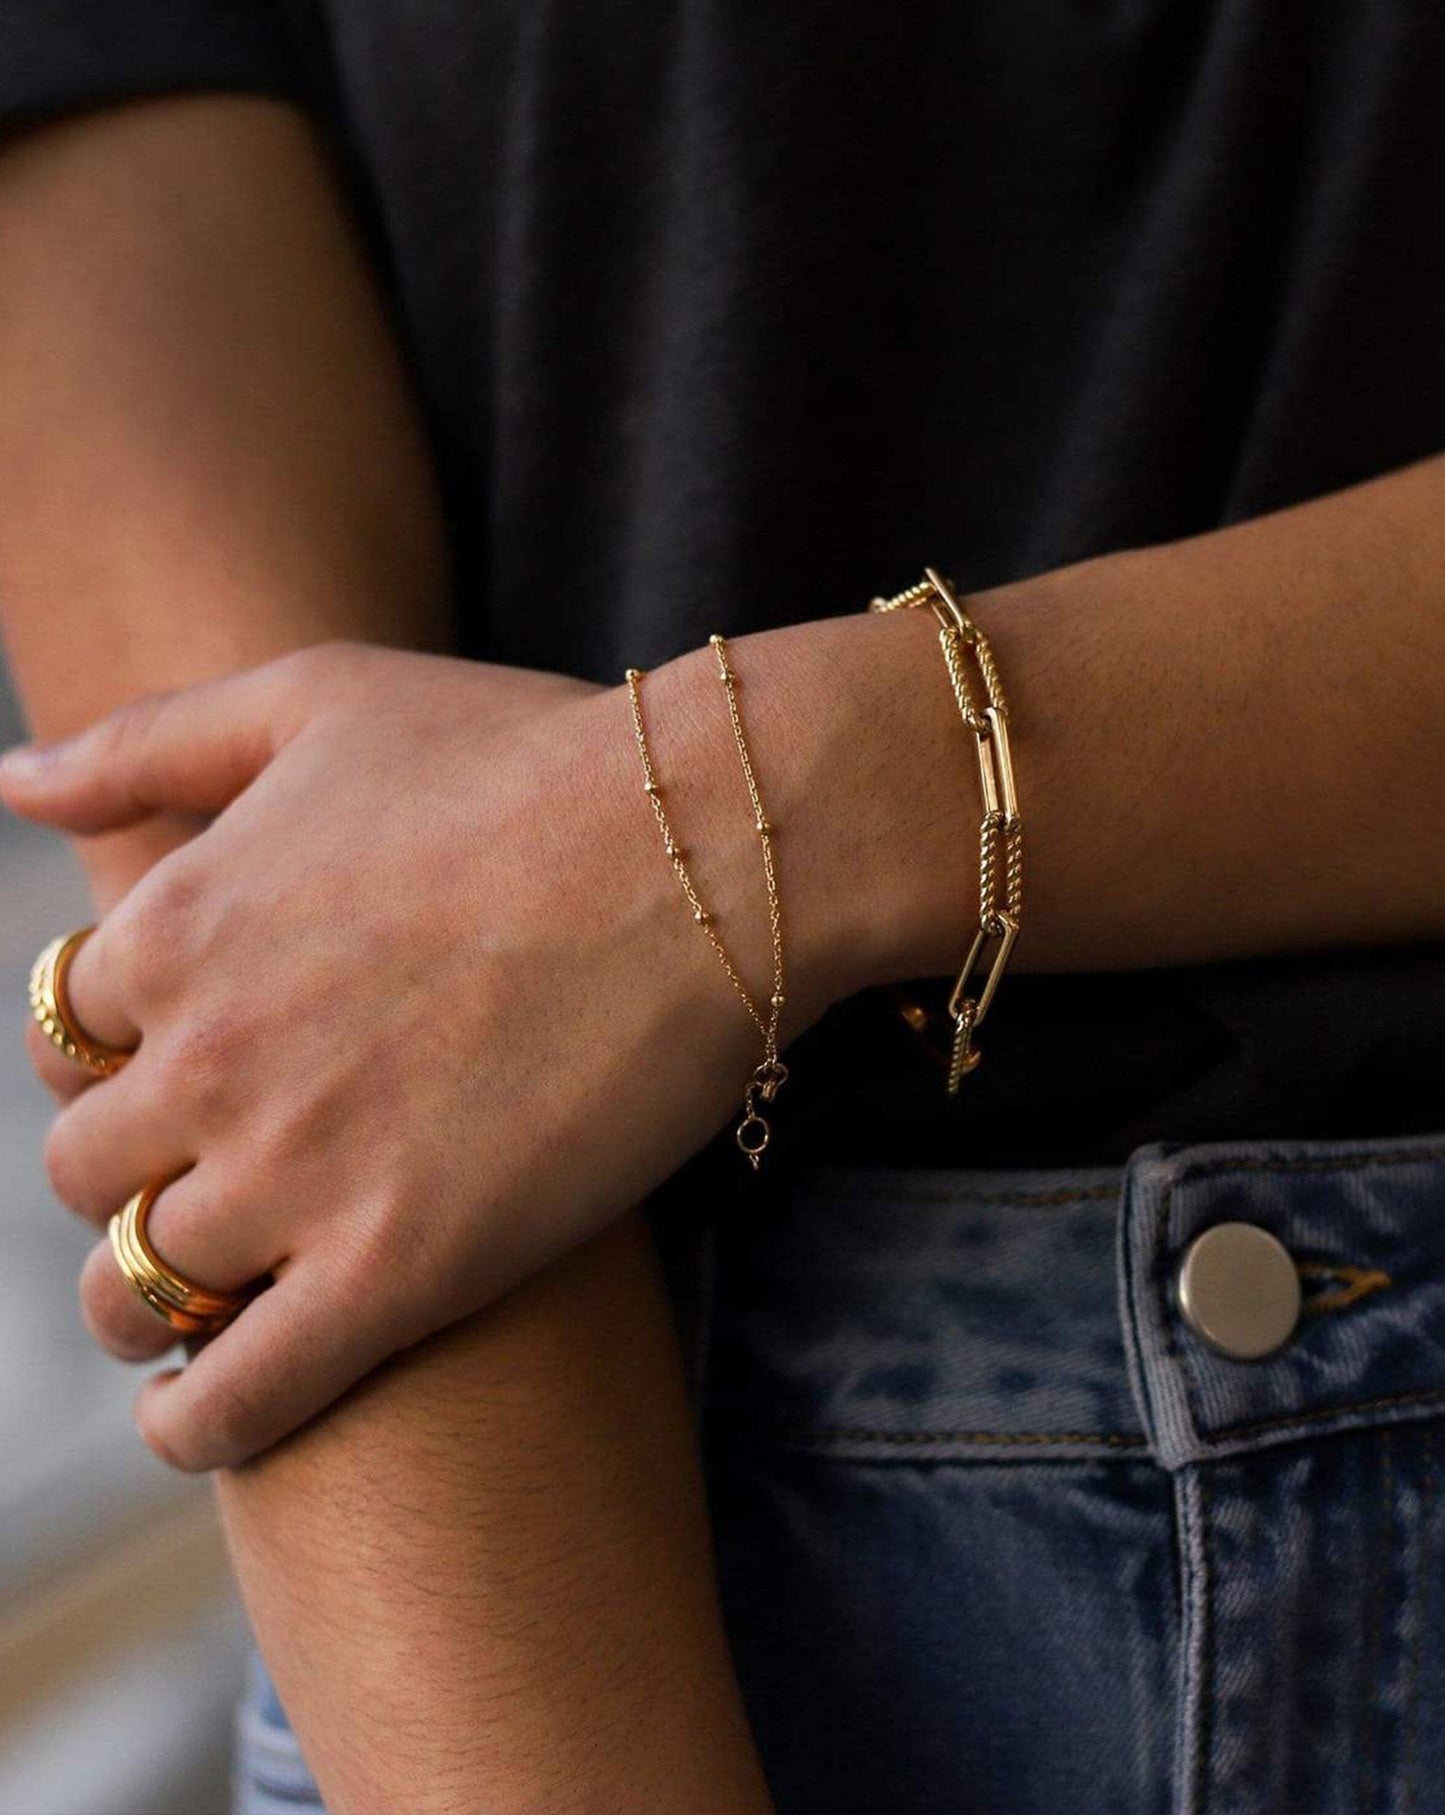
point(192, 751)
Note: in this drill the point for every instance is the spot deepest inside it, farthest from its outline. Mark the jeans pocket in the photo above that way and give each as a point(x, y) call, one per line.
point(998, 1529)
point(947, 1558)
point(1307, 1478)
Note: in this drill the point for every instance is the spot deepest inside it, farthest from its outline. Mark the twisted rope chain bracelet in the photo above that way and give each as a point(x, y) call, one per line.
point(1001, 832)
point(752, 1133)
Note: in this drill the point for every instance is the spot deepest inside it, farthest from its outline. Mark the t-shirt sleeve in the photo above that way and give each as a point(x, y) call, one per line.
point(59, 56)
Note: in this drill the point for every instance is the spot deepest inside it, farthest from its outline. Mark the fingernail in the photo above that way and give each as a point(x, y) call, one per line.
point(25, 761)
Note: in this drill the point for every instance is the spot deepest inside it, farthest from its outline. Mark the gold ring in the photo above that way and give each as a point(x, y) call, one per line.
point(193, 1310)
point(50, 1005)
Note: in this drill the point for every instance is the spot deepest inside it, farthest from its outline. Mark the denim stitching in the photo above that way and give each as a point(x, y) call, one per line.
point(1274, 1163)
point(1355, 1283)
point(1158, 1277)
point(831, 1434)
point(1374, 1630)
point(1172, 1352)
point(826, 1435)
point(1181, 1759)
point(1317, 1162)
point(1136, 1357)
point(1205, 1686)
point(1425, 1396)
point(1428, 1522)
point(1076, 1194)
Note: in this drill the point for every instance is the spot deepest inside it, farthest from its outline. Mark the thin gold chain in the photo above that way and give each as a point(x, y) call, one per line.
point(1001, 829)
point(763, 826)
point(752, 1133)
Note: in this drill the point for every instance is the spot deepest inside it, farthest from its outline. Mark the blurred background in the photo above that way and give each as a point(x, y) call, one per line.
point(120, 1638)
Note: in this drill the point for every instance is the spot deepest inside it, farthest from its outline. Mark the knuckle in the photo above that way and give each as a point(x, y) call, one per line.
point(386, 1263)
point(151, 930)
point(289, 1141)
point(62, 1166)
point(360, 1253)
point(138, 713)
point(174, 1447)
point(170, 900)
point(102, 1311)
point(95, 1305)
point(198, 1059)
point(130, 725)
point(173, 889)
point(322, 670)
point(298, 668)
point(226, 1420)
point(41, 1053)
point(368, 1247)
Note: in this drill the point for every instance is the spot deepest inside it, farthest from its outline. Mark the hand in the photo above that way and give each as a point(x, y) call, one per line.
point(418, 1011)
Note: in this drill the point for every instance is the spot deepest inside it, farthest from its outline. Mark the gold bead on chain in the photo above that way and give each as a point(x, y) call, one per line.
point(752, 1133)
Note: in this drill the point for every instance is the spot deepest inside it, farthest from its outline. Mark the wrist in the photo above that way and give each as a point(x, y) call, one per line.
point(867, 776)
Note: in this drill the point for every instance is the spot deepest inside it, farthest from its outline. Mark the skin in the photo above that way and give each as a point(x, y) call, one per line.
point(1212, 762)
point(477, 1175)
point(568, 1652)
point(504, 1531)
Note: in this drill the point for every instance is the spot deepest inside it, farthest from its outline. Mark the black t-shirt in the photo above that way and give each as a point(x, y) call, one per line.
point(729, 315)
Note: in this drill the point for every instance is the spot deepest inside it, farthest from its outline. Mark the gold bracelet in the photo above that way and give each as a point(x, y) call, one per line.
point(752, 1133)
point(1001, 832)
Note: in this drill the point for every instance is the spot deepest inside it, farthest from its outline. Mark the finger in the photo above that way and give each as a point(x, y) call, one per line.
point(92, 987)
point(113, 1313)
point(199, 1234)
point(105, 1144)
point(64, 1078)
point(294, 1350)
point(191, 751)
point(213, 1234)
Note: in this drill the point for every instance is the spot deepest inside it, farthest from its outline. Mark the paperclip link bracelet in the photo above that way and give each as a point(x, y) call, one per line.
point(1001, 831)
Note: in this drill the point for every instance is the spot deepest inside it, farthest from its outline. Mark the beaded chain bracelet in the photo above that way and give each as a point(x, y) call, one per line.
point(752, 1133)
point(1001, 831)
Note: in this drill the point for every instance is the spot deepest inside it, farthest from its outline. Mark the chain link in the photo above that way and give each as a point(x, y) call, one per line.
point(1000, 830)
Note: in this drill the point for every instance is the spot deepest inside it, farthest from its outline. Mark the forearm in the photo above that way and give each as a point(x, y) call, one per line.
point(511, 1509)
point(209, 448)
point(1240, 738)
point(1227, 746)
point(210, 458)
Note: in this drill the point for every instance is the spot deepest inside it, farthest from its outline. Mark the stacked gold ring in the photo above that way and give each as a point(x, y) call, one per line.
point(50, 1005)
point(193, 1310)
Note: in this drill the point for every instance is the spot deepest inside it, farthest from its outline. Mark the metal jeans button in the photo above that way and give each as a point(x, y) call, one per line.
point(1239, 1290)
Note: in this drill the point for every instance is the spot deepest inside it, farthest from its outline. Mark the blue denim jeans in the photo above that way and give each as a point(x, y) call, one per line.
point(997, 1532)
